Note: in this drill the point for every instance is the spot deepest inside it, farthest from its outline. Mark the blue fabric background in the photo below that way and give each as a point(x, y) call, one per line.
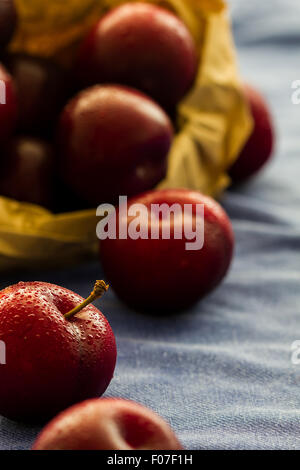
point(221, 373)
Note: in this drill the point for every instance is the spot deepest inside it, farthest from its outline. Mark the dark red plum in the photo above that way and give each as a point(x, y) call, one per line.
point(8, 21)
point(258, 149)
point(161, 272)
point(107, 424)
point(142, 46)
point(113, 141)
point(27, 171)
point(8, 105)
point(59, 350)
point(41, 88)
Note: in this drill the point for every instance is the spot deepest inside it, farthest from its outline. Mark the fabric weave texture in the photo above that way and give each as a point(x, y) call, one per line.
point(221, 373)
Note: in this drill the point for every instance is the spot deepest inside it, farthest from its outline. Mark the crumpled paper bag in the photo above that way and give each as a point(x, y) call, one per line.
point(214, 122)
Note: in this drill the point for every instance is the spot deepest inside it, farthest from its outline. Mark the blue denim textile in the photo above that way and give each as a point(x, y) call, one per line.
point(221, 373)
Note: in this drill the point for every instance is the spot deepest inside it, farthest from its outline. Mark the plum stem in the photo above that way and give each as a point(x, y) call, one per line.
point(99, 289)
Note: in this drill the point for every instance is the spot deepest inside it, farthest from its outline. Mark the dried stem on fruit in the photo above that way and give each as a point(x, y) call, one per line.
point(99, 289)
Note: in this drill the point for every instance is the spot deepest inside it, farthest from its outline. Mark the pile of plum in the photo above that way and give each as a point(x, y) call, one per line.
point(77, 137)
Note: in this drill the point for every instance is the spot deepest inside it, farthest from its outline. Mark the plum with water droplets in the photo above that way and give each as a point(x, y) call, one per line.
point(49, 363)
